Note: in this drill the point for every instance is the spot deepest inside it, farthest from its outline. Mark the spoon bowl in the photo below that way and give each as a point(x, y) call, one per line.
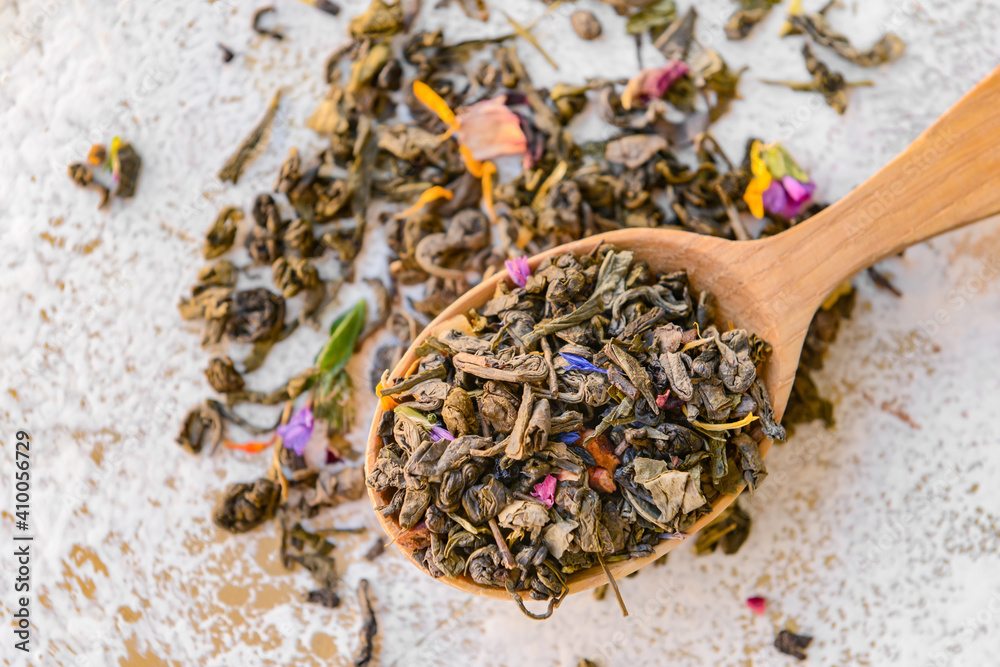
point(945, 179)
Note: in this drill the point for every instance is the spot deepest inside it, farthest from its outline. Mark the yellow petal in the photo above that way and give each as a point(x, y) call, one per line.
point(754, 193)
point(705, 426)
point(795, 9)
point(488, 170)
point(434, 102)
point(839, 291)
point(757, 165)
point(427, 196)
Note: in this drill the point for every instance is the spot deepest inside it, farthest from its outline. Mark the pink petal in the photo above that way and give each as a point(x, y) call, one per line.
point(546, 490)
point(518, 270)
point(652, 83)
point(661, 400)
point(757, 605)
point(659, 80)
point(798, 192)
point(489, 129)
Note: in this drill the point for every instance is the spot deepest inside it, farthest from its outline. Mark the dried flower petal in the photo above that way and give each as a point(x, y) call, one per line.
point(661, 400)
point(432, 193)
point(578, 363)
point(779, 185)
point(652, 83)
point(566, 438)
point(489, 129)
point(546, 491)
point(441, 433)
point(295, 434)
point(518, 270)
point(435, 103)
point(757, 605)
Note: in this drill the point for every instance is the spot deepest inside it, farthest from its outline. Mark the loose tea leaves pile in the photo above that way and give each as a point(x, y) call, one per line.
point(449, 220)
point(583, 416)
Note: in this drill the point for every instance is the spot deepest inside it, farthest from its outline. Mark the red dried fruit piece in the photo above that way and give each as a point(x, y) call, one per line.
point(604, 454)
point(601, 480)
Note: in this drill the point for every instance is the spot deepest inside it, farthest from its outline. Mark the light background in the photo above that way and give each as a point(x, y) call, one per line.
point(879, 538)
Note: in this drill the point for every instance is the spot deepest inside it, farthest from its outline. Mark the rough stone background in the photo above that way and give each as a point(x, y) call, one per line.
point(879, 537)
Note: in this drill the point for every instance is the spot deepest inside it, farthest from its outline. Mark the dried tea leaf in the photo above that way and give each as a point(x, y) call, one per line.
point(257, 25)
point(634, 150)
point(657, 15)
point(728, 530)
point(234, 166)
point(792, 644)
point(886, 50)
point(830, 84)
point(673, 492)
point(750, 13)
point(220, 236)
point(244, 506)
point(369, 626)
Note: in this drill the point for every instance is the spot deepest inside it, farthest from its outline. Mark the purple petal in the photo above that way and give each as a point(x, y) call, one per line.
point(441, 433)
point(295, 434)
point(798, 194)
point(578, 363)
point(775, 199)
point(546, 491)
point(518, 270)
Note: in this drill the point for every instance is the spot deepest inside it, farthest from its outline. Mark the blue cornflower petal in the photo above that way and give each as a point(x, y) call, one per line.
point(578, 363)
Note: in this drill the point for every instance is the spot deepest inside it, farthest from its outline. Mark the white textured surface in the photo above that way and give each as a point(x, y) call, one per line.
point(879, 538)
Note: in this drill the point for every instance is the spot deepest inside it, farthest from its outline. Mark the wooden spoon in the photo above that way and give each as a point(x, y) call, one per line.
point(947, 178)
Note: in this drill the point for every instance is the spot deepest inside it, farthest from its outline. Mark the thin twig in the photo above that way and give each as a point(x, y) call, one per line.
point(505, 555)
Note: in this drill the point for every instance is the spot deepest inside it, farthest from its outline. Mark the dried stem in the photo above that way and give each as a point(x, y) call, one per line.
point(505, 555)
point(614, 585)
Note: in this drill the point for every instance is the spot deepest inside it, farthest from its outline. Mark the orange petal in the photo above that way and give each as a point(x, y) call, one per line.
point(388, 402)
point(250, 447)
point(427, 196)
point(434, 102)
point(474, 166)
point(488, 170)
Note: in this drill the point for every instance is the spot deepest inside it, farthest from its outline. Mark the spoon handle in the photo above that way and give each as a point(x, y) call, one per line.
point(947, 178)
